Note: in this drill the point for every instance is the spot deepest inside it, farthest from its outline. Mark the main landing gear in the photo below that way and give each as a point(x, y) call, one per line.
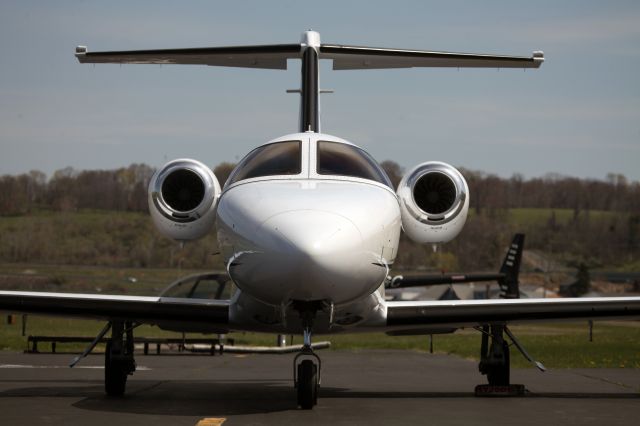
point(495, 361)
point(494, 358)
point(118, 361)
point(118, 356)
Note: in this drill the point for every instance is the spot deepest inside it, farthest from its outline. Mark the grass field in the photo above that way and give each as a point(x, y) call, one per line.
point(534, 216)
point(88, 279)
point(565, 345)
point(106, 237)
point(113, 239)
point(616, 344)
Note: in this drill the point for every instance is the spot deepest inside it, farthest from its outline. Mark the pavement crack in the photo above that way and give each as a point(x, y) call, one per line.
point(609, 381)
point(147, 388)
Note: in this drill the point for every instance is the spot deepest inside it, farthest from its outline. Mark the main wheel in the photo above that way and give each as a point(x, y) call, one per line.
point(115, 374)
point(307, 384)
point(499, 375)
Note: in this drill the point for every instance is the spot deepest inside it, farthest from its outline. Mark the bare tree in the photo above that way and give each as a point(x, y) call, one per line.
point(222, 171)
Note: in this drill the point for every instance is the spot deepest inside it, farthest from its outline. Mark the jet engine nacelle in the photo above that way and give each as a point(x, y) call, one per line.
point(434, 201)
point(183, 196)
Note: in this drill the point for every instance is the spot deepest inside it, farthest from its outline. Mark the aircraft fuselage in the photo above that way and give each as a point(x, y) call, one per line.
point(309, 236)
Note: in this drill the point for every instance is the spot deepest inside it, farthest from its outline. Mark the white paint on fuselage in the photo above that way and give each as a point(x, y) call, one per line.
point(308, 237)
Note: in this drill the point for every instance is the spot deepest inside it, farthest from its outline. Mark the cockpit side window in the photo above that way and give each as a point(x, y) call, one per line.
point(280, 158)
point(341, 159)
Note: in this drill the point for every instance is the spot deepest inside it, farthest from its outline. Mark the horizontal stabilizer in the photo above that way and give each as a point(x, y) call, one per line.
point(357, 57)
point(273, 56)
point(400, 281)
point(507, 277)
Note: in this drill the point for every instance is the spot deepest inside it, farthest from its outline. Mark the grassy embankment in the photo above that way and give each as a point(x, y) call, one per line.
point(533, 216)
point(615, 344)
point(558, 346)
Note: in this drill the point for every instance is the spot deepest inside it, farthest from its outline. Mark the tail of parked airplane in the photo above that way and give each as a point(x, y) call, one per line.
point(510, 270)
point(507, 277)
point(310, 50)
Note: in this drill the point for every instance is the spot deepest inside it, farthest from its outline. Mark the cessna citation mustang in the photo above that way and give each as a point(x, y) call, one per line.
point(308, 225)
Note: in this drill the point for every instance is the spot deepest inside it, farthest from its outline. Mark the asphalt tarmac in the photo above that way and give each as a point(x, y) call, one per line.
point(358, 388)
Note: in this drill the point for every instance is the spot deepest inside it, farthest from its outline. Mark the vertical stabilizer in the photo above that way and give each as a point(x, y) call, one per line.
point(310, 83)
point(509, 284)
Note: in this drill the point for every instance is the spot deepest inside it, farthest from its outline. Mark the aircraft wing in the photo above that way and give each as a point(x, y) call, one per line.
point(471, 313)
point(359, 57)
point(149, 310)
point(273, 56)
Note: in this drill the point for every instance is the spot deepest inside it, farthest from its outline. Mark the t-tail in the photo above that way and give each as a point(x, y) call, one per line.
point(310, 50)
point(507, 277)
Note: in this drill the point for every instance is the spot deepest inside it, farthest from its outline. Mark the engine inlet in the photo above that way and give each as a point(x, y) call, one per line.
point(183, 190)
point(435, 193)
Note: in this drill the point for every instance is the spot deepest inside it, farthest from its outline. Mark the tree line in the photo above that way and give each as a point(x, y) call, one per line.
point(125, 189)
point(596, 222)
point(552, 191)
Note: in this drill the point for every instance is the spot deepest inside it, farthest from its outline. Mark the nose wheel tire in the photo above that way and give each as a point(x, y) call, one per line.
point(307, 385)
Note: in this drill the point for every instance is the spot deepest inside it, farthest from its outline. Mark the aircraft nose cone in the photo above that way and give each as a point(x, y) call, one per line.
point(311, 236)
point(315, 254)
point(307, 255)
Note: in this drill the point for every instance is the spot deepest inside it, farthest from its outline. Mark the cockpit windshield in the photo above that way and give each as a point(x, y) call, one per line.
point(341, 159)
point(280, 158)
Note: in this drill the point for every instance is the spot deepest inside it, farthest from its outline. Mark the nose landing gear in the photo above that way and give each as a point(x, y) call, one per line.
point(306, 374)
point(307, 366)
point(307, 386)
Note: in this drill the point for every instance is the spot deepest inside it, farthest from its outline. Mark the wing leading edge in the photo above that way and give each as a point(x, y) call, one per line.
point(470, 313)
point(400, 315)
point(359, 57)
point(272, 56)
point(149, 310)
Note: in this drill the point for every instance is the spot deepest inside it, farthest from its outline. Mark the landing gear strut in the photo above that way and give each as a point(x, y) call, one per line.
point(118, 361)
point(306, 374)
point(307, 365)
point(494, 358)
point(495, 361)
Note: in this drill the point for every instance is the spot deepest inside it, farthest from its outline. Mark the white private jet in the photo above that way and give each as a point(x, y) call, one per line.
point(308, 225)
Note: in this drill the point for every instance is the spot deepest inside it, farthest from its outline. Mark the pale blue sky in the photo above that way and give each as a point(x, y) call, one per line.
point(578, 115)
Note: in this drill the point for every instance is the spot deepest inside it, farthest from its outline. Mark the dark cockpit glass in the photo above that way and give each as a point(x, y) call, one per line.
point(335, 158)
point(205, 286)
point(280, 158)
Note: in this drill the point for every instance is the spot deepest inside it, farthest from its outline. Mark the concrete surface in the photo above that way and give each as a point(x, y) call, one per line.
point(366, 387)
